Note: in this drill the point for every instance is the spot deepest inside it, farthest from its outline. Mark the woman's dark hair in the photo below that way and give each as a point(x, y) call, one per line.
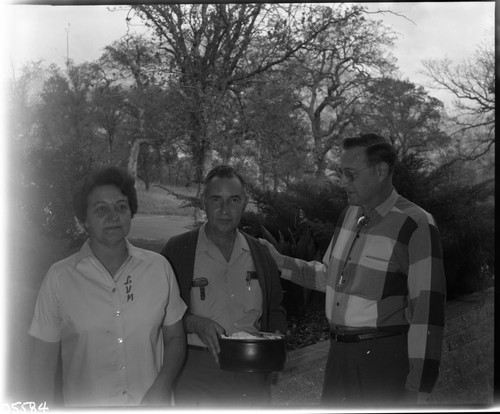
point(103, 176)
point(377, 149)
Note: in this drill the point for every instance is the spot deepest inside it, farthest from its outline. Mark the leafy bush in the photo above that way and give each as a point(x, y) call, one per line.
point(464, 214)
point(47, 188)
point(466, 223)
point(309, 205)
point(300, 222)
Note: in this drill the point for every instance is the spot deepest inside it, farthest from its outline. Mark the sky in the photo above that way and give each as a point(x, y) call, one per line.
point(431, 30)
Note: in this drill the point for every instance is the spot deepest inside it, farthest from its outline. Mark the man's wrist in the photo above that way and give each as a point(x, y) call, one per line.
point(188, 322)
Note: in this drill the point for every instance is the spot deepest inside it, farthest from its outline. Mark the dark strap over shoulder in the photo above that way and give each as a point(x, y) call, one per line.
point(273, 314)
point(180, 252)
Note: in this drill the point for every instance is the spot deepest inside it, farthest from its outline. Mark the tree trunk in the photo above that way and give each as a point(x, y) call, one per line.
point(136, 145)
point(320, 161)
point(134, 156)
point(202, 157)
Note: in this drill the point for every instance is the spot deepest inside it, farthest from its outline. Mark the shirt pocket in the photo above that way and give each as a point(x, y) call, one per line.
point(377, 253)
point(252, 292)
point(375, 263)
point(204, 298)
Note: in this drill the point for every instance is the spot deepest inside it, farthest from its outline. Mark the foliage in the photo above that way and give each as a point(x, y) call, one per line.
point(403, 113)
point(215, 53)
point(64, 110)
point(268, 88)
point(22, 110)
point(472, 82)
point(331, 74)
point(300, 223)
point(309, 205)
point(149, 164)
point(464, 214)
point(203, 44)
point(109, 110)
point(54, 150)
point(133, 60)
point(468, 236)
point(309, 326)
point(465, 217)
point(275, 132)
point(47, 188)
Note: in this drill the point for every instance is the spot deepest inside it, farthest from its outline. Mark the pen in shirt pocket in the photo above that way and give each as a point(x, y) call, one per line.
point(250, 275)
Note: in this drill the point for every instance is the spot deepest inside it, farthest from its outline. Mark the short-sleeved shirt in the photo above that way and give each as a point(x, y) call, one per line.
point(110, 329)
point(232, 297)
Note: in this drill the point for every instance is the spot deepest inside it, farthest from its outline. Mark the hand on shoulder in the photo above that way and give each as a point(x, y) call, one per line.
point(277, 256)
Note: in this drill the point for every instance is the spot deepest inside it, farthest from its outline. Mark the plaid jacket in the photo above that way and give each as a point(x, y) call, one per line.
point(385, 272)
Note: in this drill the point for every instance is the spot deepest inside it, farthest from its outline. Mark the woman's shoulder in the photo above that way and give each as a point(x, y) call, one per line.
point(143, 253)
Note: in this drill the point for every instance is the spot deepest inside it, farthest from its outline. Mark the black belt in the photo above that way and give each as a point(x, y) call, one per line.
point(198, 348)
point(362, 337)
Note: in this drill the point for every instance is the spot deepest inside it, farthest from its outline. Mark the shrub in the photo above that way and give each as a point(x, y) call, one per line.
point(300, 222)
point(309, 205)
point(466, 223)
point(47, 186)
point(464, 214)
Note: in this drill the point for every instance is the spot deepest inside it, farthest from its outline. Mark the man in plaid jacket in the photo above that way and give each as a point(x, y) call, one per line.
point(385, 287)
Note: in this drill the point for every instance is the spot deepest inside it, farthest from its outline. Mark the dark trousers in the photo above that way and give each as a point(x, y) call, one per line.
point(203, 384)
point(367, 373)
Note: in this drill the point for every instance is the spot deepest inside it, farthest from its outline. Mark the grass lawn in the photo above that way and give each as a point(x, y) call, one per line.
point(161, 200)
point(158, 201)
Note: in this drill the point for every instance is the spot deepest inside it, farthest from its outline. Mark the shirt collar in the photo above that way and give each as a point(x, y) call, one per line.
point(240, 242)
point(384, 208)
point(86, 251)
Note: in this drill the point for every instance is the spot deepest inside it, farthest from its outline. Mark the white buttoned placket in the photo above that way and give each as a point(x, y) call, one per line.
point(118, 330)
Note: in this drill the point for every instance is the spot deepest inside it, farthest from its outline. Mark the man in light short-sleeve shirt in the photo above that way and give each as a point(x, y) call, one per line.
point(230, 284)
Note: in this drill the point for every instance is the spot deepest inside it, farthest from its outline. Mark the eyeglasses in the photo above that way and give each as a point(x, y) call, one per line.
point(351, 175)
